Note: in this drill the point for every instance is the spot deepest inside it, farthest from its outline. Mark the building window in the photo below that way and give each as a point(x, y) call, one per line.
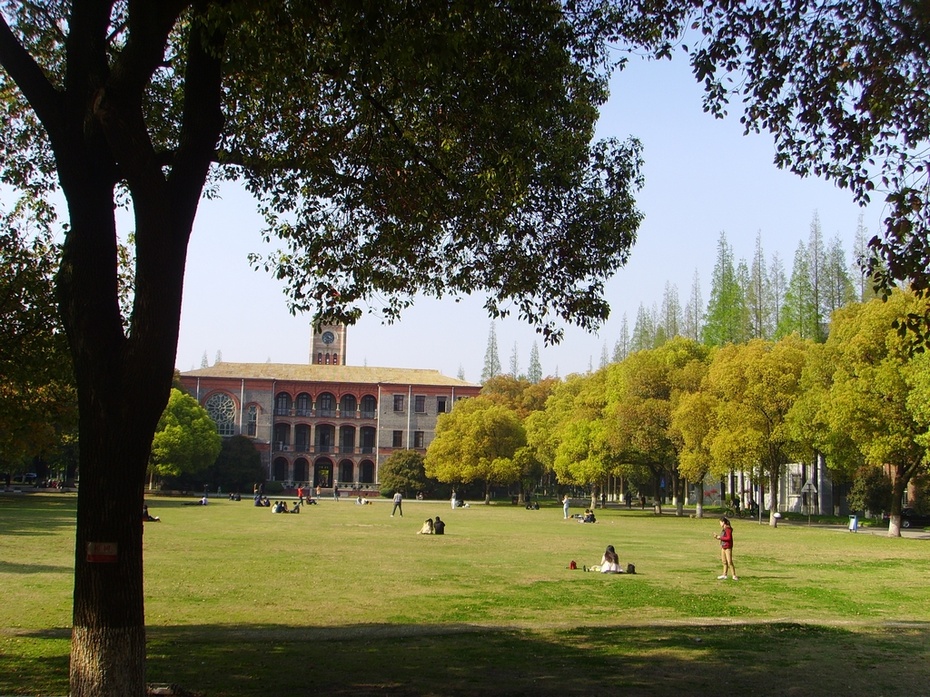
point(369, 406)
point(419, 404)
point(222, 410)
point(440, 405)
point(282, 404)
point(325, 404)
point(302, 405)
point(398, 439)
point(418, 439)
point(398, 402)
point(348, 405)
point(252, 427)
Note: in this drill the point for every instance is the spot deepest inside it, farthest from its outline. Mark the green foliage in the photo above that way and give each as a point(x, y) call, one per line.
point(871, 490)
point(238, 466)
point(842, 87)
point(186, 440)
point(477, 440)
point(403, 471)
point(726, 309)
point(872, 381)
point(38, 403)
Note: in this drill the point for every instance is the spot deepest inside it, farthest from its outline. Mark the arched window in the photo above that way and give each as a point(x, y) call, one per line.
point(282, 437)
point(347, 406)
point(325, 437)
point(326, 405)
point(252, 427)
point(366, 469)
point(367, 442)
point(302, 438)
point(303, 404)
point(346, 471)
point(279, 471)
point(369, 406)
point(222, 409)
point(347, 439)
point(282, 404)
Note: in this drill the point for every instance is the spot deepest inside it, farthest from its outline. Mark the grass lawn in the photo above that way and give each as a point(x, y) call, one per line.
point(344, 599)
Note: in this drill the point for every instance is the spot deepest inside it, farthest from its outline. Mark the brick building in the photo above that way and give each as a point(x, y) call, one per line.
point(326, 423)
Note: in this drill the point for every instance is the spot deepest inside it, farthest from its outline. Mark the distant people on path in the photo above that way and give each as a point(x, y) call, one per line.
point(726, 549)
point(336, 493)
point(427, 528)
point(453, 500)
point(319, 490)
point(566, 502)
point(628, 498)
point(642, 502)
point(439, 527)
point(398, 500)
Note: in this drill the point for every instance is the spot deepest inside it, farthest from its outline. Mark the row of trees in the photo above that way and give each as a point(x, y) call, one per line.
point(749, 299)
point(388, 164)
point(685, 410)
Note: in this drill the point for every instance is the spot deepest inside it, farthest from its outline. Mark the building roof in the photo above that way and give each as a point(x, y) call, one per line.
point(327, 373)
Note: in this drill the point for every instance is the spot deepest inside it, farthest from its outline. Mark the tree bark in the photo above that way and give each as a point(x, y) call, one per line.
point(774, 471)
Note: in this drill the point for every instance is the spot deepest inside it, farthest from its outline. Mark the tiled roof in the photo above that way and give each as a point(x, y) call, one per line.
point(328, 373)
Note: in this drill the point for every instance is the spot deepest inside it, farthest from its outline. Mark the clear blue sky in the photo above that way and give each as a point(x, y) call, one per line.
point(702, 177)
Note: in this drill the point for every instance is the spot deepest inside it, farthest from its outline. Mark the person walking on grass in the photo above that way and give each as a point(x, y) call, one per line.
point(566, 502)
point(398, 500)
point(726, 548)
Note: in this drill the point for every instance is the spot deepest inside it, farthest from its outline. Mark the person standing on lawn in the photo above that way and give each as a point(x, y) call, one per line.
point(398, 500)
point(726, 548)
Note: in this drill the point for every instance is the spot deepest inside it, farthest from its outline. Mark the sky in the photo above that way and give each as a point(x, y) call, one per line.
point(702, 177)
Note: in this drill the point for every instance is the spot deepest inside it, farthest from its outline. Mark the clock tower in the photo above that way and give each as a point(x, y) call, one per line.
point(328, 345)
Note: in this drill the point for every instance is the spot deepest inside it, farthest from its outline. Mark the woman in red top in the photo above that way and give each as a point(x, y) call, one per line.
point(726, 548)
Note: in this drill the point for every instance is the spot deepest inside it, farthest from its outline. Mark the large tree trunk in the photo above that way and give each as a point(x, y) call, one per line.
point(900, 477)
point(97, 129)
point(123, 385)
point(774, 471)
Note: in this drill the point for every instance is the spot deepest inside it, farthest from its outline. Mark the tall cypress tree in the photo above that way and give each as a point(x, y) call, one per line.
point(534, 372)
point(693, 321)
point(725, 309)
point(622, 345)
point(492, 361)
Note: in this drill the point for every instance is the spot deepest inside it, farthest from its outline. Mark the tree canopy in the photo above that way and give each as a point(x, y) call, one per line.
point(477, 441)
point(403, 471)
point(186, 440)
point(37, 399)
point(841, 85)
point(394, 148)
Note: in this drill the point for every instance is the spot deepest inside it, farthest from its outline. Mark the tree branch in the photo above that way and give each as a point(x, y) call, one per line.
point(31, 80)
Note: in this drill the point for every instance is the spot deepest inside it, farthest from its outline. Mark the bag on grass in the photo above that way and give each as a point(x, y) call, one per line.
point(630, 569)
point(572, 564)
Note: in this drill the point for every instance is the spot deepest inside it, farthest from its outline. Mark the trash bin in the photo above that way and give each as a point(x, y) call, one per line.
point(853, 523)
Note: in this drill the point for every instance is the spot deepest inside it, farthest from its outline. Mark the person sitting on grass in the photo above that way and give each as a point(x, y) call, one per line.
point(439, 527)
point(588, 516)
point(427, 528)
point(610, 562)
point(148, 518)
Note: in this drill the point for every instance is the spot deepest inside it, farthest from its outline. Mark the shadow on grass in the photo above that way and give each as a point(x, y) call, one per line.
point(767, 659)
point(783, 659)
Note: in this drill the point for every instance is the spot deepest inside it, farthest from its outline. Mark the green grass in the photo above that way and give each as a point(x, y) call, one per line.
point(344, 599)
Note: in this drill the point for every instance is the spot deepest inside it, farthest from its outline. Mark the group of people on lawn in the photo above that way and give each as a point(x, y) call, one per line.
point(433, 527)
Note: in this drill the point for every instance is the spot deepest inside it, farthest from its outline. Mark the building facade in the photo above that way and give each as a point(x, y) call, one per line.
point(326, 424)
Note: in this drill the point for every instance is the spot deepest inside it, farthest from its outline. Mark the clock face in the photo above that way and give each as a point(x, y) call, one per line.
point(328, 337)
